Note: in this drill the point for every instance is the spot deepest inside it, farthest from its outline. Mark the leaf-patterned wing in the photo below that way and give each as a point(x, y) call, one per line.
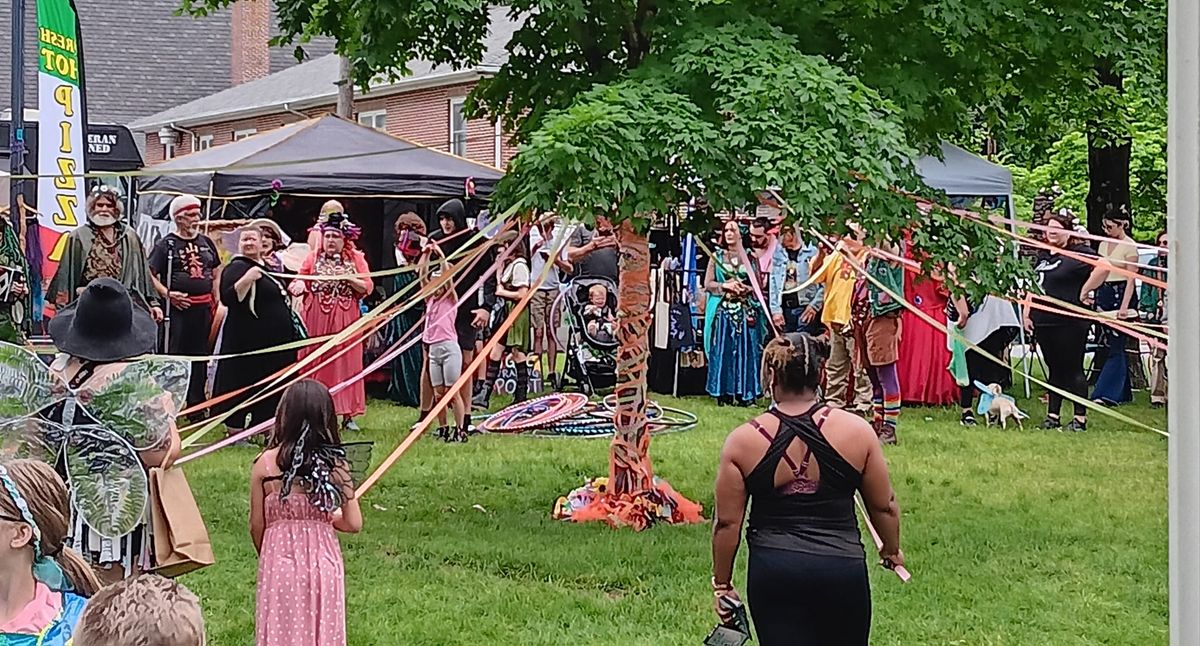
point(108, 485)
point(358, 460)
point(26, 384)
point(141, 401)
point(31, 437)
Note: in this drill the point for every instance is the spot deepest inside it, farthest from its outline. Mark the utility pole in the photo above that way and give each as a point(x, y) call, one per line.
point(16, 126)
point(1183, 305)
point(345, 100)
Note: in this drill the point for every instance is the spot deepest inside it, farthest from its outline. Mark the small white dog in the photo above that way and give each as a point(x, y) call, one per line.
point(1003, 408)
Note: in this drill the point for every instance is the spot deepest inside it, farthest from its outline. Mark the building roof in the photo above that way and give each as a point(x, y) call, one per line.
point(314, 83)
point(140, 57)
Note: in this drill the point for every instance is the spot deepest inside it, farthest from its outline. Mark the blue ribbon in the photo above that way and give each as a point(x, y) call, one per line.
point(45, 569)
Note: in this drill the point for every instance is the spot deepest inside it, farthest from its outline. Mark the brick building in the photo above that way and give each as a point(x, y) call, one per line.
point(424, 106)
point(140, 58)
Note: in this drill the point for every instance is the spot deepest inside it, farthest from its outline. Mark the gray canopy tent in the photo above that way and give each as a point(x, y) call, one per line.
point(963, 175)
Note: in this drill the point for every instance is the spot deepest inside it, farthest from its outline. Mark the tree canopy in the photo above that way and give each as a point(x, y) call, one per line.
point(614, 94)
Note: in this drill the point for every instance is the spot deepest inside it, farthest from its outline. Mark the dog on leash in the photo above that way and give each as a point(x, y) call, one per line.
point(1002, 407)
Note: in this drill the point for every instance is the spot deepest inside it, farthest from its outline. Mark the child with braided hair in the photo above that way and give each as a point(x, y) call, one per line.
point(44, 585)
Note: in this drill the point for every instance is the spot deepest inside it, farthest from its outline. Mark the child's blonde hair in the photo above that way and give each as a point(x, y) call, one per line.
point(46, 496)
point(145, 610)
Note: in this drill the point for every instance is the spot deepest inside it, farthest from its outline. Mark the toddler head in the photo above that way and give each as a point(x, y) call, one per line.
point(598, 295)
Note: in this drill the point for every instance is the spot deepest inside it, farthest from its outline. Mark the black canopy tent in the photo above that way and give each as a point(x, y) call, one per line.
point(327, 156)
point(285, 173)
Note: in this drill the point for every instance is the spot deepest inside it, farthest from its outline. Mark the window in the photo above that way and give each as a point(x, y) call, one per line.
point(204, 142)
point(458, 128)
point(239, 135)
point(168, 150)
point(376, 119)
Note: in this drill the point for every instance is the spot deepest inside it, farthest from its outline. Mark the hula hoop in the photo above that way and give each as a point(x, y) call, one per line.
point(542, 411)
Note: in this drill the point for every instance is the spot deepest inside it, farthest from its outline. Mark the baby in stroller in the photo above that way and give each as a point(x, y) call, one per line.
point(598, 318)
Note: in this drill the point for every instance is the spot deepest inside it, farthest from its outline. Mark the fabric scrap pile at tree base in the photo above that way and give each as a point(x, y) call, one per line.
point(593, 502)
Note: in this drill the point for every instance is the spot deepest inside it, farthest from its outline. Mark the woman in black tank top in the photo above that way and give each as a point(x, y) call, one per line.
point(801, 463)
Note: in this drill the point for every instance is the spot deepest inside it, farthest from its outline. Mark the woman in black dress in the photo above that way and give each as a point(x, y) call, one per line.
point(258, 316)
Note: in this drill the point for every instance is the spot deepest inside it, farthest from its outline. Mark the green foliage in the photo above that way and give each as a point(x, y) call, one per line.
point(1066, 165)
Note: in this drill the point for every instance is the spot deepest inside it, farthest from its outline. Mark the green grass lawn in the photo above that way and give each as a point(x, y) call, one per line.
point(1017, 537)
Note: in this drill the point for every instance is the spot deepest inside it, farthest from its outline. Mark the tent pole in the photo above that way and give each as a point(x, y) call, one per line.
point(1012, 215)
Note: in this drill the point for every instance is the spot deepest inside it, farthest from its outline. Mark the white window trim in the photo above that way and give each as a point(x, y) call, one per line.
point(372, 115)
point(457, 102)
point(239, 135)
point(497, 152)
point(204, 142)
point(168, 151)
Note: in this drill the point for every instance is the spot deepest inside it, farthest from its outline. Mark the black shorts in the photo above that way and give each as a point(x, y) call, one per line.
point(467, 334)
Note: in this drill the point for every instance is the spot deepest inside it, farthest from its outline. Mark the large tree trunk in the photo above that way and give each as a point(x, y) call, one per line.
point(630, 470)
point(1108, 168)
point(634, 497)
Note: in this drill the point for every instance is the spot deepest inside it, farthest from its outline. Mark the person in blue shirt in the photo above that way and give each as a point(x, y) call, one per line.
point(794, 309)
point(44, 585)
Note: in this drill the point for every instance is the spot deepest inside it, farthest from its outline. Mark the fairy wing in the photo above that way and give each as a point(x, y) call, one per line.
point(141, 402)
point(26, 384)
point(108, 485)
point(31, 437)
point(358, 460)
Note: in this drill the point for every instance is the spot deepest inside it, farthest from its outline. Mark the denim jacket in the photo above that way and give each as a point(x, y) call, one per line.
point(813, 296)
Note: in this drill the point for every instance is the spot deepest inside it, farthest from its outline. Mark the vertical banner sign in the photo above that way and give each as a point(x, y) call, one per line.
point(60, 129)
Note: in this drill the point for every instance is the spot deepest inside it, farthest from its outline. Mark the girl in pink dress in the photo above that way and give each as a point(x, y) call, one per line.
point(330, 306)
point(301, 495)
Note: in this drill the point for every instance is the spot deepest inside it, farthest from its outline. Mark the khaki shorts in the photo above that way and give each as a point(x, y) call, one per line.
point(541, 308)
point(883, 339)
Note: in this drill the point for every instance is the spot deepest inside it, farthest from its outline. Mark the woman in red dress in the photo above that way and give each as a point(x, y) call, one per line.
point(924, 357)
point(331, 306)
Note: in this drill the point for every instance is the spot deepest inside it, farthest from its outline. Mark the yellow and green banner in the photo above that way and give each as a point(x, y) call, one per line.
point(61, 122)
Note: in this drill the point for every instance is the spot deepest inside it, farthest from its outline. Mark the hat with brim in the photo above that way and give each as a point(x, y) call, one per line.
point(104, 325)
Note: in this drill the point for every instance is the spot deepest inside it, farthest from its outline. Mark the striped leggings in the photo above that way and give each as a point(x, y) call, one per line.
point(885, 394)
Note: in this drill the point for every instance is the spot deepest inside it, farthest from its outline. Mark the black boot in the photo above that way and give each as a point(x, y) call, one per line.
point(521, 391)
point(483, 400)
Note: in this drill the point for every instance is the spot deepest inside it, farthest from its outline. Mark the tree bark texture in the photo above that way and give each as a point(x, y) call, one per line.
point(1108, 168)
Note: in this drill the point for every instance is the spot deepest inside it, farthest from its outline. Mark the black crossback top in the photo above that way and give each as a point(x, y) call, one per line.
point(817, 519)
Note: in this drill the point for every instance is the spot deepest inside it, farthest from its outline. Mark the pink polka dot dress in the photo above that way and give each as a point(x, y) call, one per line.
point(301, 579)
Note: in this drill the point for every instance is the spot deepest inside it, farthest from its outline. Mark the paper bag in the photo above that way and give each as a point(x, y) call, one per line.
point(181, 542)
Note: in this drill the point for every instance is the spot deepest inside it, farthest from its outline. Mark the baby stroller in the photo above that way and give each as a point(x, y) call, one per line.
point(591, 360)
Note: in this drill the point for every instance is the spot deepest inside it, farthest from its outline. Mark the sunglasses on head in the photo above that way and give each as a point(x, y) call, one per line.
point(11, 519)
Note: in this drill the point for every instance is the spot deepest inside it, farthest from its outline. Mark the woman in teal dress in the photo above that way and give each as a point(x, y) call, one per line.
point(735, 326)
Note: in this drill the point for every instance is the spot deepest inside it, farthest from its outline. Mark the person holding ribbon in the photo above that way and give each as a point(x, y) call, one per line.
point(44, 584)
point(802, 463)
point(105, 248)
point(1114, 292)
point(734, 324)
point(1152, 304)
point(258, 316)
point(181, 267)
point(332, 303)
point(406, 386)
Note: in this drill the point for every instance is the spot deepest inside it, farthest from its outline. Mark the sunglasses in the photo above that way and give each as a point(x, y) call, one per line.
point(12, 520)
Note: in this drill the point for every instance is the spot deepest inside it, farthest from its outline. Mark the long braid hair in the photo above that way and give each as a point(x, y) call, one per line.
point(49, 504)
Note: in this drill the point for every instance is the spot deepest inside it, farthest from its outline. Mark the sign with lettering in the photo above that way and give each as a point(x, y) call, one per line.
point(60, 114)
